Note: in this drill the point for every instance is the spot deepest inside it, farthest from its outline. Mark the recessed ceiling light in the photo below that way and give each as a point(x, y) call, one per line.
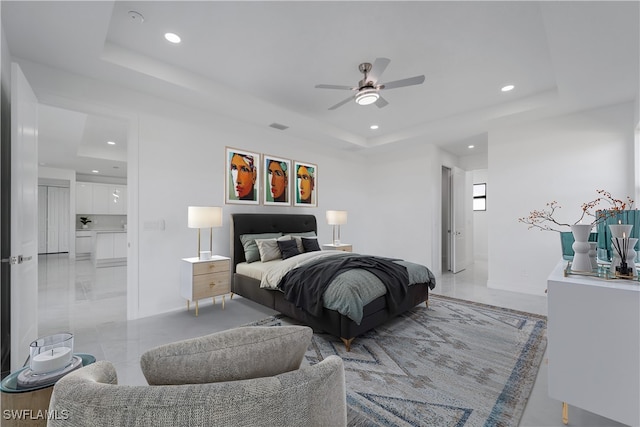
point(507, 88)
point(95, 171)
point(172, 37)
point(111, 143)
point(471, 146)
point(374, 127)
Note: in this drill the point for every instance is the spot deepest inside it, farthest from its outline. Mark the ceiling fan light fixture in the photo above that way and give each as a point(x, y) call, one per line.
point(367, 96)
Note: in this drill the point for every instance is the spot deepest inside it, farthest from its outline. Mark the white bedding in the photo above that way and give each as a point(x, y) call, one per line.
point(256, 270)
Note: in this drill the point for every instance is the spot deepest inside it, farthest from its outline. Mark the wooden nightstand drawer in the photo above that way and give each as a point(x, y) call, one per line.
point(202, 279)
point(210, 267)
point(344, 247)
point(210, 285)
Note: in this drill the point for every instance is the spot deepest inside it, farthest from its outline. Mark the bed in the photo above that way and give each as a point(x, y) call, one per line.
point(247, 282)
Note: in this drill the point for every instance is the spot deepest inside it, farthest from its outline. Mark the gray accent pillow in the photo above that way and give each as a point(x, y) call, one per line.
point(288, 248)
point(234, 354)
point(310, 244)
point(251, 252)
point(269, 249)
point(298, 238)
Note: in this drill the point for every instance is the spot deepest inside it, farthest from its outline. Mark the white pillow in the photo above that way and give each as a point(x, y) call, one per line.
point(268, 249)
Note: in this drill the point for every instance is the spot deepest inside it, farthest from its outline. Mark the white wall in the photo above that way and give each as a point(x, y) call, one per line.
point(481, 219)
point(181, 163)
point(403, 190)
point(565, 159)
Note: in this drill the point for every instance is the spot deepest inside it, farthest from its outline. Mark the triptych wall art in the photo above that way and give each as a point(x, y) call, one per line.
point(284, 182)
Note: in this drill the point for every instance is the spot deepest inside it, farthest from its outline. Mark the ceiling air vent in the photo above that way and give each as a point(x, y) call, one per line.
point(278, 126)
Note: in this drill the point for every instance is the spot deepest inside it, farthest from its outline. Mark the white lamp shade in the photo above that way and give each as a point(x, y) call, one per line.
point(336, 217)
point(204, 217)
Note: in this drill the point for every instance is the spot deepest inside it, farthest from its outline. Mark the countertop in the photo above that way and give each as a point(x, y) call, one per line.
point(103, 230)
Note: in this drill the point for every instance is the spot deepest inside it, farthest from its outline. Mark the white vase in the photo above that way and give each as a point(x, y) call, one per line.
point(620, 230)
point(581, 261)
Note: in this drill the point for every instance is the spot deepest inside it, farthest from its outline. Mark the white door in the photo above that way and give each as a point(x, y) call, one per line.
point(24, 217)
point(459, 213)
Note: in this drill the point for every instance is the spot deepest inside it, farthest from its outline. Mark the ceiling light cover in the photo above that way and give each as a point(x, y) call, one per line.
point(111, 143)
point(374, 127)
point(172, 37)
point(367, 96)
point(507, 88)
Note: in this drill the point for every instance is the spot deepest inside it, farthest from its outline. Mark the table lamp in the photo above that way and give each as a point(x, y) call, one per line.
point(336, 218)
point(204, 217)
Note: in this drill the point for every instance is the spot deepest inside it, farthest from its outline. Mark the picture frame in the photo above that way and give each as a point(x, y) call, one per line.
point(242, 177)
point(277, 180)
point(306, 184)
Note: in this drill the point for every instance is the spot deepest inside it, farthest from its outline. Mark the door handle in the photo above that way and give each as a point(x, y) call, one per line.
point(16, 259)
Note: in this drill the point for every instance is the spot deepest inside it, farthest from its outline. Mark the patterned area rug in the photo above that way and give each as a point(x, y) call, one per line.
point(456, 363)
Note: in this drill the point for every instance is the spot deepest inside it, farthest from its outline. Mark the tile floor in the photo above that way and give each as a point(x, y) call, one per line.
point(91, 303)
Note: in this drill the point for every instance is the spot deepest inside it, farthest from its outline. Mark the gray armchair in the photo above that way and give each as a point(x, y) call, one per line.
point(241, 377)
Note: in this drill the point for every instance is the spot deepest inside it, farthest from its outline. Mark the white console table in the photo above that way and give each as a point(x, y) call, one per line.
point(593, 336)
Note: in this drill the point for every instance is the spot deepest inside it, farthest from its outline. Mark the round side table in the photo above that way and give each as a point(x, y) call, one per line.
point(22, 407)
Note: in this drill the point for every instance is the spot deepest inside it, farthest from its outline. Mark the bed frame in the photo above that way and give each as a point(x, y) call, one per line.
point(332, 322)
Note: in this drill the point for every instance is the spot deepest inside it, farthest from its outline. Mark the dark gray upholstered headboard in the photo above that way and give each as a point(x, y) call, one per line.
point(266, 223)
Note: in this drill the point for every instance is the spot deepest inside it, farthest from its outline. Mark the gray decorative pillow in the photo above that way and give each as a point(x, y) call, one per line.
point(269, 249)
point(288, 248)
point(231, 355)
point(251, 252)
point(298, 238)
point(310, 244)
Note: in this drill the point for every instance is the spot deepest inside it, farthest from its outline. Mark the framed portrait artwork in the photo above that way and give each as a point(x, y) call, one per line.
point(277, 181)
point(242, 183)
point(306, 187)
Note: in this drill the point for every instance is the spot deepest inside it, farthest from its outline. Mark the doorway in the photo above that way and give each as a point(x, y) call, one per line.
point(446, 219)
point(456, 218)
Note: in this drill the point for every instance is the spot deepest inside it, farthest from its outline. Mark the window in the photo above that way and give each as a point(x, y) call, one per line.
point(480, 197)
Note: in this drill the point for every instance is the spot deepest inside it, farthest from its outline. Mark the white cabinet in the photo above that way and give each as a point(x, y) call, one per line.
point(593, 336)
point(84, 198)
point(205, 279)
point(84, 244)
point(118, 200)
point(110, 248)
point(101, 199)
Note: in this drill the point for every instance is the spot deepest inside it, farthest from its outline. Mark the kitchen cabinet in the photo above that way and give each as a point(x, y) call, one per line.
point(101, 199)
point(84, 244)
point(84, 198)
point(110, 248)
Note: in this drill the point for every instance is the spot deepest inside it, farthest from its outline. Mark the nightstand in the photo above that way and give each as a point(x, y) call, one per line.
point(205, 279)
point(345, 247)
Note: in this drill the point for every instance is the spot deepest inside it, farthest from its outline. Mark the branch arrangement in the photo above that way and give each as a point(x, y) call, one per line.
point(544, 219)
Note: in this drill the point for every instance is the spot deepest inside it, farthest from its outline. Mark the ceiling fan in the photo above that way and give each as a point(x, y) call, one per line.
point(367, 91)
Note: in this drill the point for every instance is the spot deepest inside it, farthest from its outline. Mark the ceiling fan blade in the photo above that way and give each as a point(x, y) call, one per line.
point(341, 103)
point(404, 82)
point(381, 102)
point(335, 87)
point(378, 67)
